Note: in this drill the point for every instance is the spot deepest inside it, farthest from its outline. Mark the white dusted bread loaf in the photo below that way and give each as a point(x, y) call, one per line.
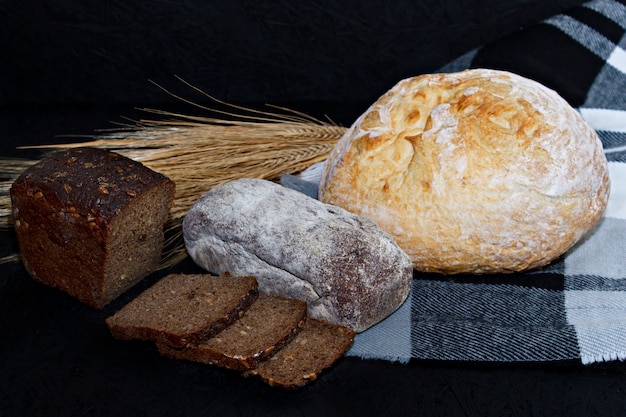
point(480, 171)
point(347, 269)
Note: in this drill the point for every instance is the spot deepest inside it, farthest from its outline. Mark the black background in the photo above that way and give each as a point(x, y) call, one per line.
point(240, 51)
point(72, 67)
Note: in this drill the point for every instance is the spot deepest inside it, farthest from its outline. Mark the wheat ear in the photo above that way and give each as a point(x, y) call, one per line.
point(199, 153)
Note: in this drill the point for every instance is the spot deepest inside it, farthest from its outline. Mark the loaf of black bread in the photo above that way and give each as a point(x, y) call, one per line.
point(90, 222)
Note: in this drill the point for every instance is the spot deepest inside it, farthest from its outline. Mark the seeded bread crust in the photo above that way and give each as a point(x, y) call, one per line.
point(316, 347)
point(90, 222)
point(269, 324)
point(183, 309)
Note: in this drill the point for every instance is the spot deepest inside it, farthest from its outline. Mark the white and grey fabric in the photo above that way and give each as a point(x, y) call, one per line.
point(574, 309)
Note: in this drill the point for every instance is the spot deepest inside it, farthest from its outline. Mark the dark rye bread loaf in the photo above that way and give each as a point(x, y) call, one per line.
point(316, 347)
point(182, 309)
point(90, 222)
point(266, 326)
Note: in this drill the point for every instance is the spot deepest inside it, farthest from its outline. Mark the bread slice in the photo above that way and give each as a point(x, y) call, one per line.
point(182, 309)
point(268, 325)
point(316, 347)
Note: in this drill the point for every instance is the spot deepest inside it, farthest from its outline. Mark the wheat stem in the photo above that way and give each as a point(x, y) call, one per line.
point(199, 153)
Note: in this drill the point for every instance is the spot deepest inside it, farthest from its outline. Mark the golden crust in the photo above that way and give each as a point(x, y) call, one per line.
point(480, 171)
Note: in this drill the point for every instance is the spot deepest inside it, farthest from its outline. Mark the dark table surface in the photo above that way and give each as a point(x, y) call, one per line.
point(57, 357)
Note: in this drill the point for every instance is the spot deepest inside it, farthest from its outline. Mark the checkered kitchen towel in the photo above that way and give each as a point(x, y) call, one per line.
point(576, 308)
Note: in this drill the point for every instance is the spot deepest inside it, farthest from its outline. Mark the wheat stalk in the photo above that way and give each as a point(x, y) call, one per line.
point(199, 153)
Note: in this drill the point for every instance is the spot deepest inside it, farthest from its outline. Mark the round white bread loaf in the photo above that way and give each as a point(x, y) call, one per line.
point(480, 171)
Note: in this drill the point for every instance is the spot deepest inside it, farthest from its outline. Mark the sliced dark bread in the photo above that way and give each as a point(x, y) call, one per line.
point(267, 326)
point(182, 309)
point(316, 347)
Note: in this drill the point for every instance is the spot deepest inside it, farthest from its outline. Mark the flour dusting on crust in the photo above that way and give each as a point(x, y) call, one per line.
point(479, 171)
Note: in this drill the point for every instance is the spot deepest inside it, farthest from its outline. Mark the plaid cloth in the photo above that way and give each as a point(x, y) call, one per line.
point(575, 309)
